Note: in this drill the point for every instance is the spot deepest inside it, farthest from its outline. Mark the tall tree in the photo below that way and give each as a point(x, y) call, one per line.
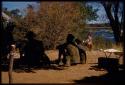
point(15, 12)
point(112, 11)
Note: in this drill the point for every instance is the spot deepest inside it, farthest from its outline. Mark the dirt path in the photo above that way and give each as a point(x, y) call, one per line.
point(67, 75)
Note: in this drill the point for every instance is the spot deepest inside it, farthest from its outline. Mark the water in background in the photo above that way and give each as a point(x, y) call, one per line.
point(106, 34)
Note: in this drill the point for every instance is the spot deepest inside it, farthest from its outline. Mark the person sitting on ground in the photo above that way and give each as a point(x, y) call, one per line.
point(34, 51)
point(62, 52)
point(82, 52)
point(73, 54)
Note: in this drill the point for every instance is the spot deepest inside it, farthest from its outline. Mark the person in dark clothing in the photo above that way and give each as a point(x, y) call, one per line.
point(62, 52)
point(82, 52)
point(72, 51)
point(34, 51)
point(7, 37)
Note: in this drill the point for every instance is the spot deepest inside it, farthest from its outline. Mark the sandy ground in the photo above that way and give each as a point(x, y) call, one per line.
point(53, 76)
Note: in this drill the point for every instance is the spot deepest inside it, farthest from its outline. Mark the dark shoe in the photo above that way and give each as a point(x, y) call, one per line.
point(74, 64)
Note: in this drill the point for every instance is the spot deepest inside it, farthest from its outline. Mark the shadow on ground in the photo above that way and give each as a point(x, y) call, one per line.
point(112, 78)
point(19, 68)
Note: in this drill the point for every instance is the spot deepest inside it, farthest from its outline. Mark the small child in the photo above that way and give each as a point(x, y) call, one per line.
point(89, 41)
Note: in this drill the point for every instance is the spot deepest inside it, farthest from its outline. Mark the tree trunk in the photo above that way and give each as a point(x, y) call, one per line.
point(10, 68)
point(11, 60)
point(116, 32)
point(114, 22)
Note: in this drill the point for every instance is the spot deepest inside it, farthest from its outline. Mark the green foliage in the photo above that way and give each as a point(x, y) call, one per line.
point(88, 12)
point(91, 13)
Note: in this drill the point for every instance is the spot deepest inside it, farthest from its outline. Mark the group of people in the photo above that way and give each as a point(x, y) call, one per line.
point(31, 50)
point(72, 51)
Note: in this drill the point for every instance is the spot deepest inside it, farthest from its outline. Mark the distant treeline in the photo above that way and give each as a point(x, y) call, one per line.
point(104, 25)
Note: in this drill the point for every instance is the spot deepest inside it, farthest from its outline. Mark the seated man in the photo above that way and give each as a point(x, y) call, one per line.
point(62, 52)
point(72, 57)
point(82, 52)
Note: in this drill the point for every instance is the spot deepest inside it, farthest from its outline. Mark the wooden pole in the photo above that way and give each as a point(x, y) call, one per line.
point(11, 59)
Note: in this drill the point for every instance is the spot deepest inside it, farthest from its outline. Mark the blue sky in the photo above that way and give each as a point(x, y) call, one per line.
point(13, 5)
point(22, 5)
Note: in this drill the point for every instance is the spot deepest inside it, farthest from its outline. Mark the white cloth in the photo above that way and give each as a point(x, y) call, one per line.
point(6, 16)
point(111, 50)
point(15, 55)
